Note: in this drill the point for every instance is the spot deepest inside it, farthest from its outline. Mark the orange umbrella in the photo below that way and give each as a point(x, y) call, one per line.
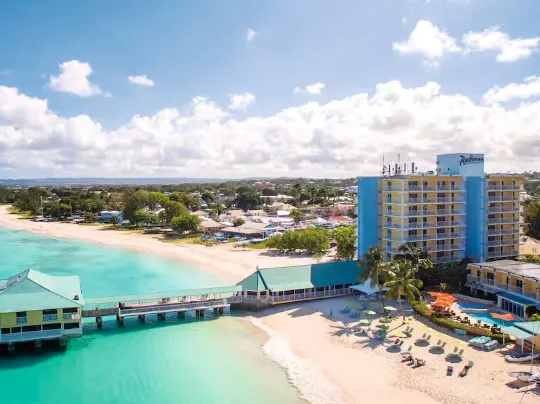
point(442, 303)
point(442, 296)
point(503, 317)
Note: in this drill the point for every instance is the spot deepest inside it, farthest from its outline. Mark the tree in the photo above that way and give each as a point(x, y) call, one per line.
point(535, 317)
point(296, 215)
point(185, 223)
point(402, 282)
point(249, 199)
point(238, 222)
point(374, 269)
point(141, 216)
point(532, 218)
point(216, 211)
point(533, 259)
point(312, 241)
point(346, 242)
point(132, 201)
point(208, 198)
point(173, 209)
point(417, 257)
point(114, 220)
point(156, 199)
point(90, 217)
point(189, 201)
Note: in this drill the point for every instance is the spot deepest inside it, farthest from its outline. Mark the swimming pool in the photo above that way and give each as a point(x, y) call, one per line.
point(486, 318)
point(464, 305)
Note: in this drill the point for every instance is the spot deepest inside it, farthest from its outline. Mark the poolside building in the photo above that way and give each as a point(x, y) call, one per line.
point(515, 285)
point(301, 282)
point(35, 307)
point(105, 216)
point(453, 212)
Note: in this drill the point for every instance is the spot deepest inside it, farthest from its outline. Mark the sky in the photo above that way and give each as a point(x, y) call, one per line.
point(234, 89)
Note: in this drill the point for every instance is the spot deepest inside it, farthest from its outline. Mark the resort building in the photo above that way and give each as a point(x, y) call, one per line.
point(105, 216)
point(515, 285)
point(35, 307)
point(454, 212)
point(302, 282)
point(529, 246)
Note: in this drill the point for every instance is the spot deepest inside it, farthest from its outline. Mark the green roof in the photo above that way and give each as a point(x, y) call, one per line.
point(222, 290)
point(532, 327)
point(302, 276)
point(33, 290)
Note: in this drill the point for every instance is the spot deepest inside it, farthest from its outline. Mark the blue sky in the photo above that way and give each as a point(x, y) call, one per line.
point(200, 49)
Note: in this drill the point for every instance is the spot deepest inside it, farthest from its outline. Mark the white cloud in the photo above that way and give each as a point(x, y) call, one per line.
point(240, 102)
point(528, 89)
point(312, 89)
point(429, 41)
point(73, 78)
point(493, 39)
point(251, 35)
point(344, 137)
point(142, 80)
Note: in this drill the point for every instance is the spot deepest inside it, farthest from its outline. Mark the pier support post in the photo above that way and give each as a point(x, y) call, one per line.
point(11, 348)
point(220, 310)
point(37, 344)
point(99, 322)
point(142, 318)
point(120, 320)
point(200, 313)
point(63, 343)
point(181, 314)
point(161, 316)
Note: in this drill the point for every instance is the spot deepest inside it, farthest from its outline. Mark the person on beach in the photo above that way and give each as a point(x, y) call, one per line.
point(330, 313)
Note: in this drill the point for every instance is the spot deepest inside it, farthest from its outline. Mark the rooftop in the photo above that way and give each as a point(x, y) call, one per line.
point(302, 276)
point(33, 290)
point(513, 267)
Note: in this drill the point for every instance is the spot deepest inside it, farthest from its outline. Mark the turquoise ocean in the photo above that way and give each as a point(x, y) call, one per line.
point(176, 361)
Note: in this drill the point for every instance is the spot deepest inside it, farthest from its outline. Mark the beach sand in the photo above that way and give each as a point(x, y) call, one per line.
point(368, 371)
point(225, 260)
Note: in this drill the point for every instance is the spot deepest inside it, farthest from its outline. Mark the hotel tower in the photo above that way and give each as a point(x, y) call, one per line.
point(454, 212)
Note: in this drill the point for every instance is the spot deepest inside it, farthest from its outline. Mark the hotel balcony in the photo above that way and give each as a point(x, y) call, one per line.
point(498, 186)
point(455, 188)
point(499, 243)
point(449, 223)
point(442, 212)
point(71, 316)
point(501, 209)
point(447, 258)
point(501, 254)
point(450, 200)
point(448, 247)
point(496, 232)
point(21, 320)
point(500, 198)
point(504, 286)
point(443, 236)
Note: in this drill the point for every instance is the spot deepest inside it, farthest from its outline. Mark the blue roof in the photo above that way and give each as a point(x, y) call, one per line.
point(532, 327)
point(33, 290)
point(518, 299)
point(517, 332)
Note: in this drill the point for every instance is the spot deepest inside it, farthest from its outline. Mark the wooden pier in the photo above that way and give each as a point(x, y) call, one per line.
point(202, 303)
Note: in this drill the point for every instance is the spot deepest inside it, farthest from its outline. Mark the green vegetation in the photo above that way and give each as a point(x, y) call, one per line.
point(373, 268)
point(533, 259)
point(345, 238)
point(532, 218)
point(296, 215)
point(185, 223)
point(258, 246)
point(311, 241)
point(401, 282)
point(238, 222)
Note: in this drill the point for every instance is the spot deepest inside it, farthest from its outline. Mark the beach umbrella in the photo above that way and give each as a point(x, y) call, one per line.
point(370, 312)
point(364, 321)
point(400, 334)
point(504, 317)
point(390, 308)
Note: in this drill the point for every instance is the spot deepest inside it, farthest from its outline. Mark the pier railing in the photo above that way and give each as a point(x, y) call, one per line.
point(172, 307)
point(30, 335)
point(300, 296)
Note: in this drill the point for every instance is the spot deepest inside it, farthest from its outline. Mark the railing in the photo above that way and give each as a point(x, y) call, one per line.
point(310, 295)
point(448, 259)
point(515, 289)
point(21, 320)
point(448, 223)
point(496, 209)
point(530, 293)
point(502, 242)
point(473, 278)
point(501, 285)
point(50, 317)
point(71, 316)
point(500, 231)
point(496, 198)
point(413, 188)
point(172, 307)
point(448, 247)
point(428, 188)
point(416, 237)
point(30, 335)
point(495, 254)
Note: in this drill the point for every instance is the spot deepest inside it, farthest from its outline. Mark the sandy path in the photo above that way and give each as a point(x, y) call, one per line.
point(225, 260)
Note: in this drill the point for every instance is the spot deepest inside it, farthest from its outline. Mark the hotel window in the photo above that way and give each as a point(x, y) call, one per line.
point(69, 326)
point(21, 314)
point(490, 276)
point(413, 232)
point(440, 207)
point(519, 283)
point(53, 326)
point(424, 231)
point(424, 245)
point(440, 195)
point(440, 254)
point(452, 230)
point(440, 242)
point(51, 311)
point(440, 231)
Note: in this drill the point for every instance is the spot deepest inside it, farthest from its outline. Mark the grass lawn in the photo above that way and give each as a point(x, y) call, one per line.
point(22, 215)
point(258, 246)
point(91, 224)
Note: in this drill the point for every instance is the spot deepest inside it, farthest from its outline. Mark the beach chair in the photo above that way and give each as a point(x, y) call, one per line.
point(491, 345)
point(346, 310)
point(355, 314)
point(466, 369)
point(449, 370)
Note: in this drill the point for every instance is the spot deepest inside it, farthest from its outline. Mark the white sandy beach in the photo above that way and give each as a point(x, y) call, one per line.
point(330, 365)
point(225, 260)
point(367, 371)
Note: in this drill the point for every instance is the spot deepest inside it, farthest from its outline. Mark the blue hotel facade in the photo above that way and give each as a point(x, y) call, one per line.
point(454, 212)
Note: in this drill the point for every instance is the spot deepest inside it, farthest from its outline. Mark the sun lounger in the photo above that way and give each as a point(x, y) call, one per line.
point(466, 369)
point(355, 314)
point(449, 370)
point(479, 341)
point(491, 345)
point(346, 310)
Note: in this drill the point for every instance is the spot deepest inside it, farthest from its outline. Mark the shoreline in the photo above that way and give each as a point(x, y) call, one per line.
point(223, 260)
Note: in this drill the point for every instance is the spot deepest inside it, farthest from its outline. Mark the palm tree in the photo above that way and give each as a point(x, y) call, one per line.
point(402, 282)
point(374, 269)
point(416, 256)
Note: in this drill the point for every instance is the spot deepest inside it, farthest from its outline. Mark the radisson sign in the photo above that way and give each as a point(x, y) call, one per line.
point(471, 159)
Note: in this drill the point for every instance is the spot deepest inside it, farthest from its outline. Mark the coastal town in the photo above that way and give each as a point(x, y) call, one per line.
point(416, 287)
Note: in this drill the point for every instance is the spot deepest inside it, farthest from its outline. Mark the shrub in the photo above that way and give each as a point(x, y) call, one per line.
point(421, 308)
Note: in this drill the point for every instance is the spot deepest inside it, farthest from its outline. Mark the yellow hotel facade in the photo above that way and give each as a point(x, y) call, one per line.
point(451, 213)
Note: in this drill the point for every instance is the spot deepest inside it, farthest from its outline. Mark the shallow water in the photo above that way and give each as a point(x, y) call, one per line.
point(210, 361)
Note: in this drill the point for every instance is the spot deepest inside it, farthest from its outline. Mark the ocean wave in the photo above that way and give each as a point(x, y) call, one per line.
point(310, 381)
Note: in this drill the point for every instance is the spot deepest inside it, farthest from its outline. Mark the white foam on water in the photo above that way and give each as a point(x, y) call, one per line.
point(310, 381)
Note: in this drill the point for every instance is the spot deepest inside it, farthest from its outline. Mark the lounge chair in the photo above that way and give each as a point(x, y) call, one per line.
point(491, 345)
point(456, 354)
point(355, 314)
point(417, 362)
point(346, 310)
point(449, 370)
point(479, 342)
